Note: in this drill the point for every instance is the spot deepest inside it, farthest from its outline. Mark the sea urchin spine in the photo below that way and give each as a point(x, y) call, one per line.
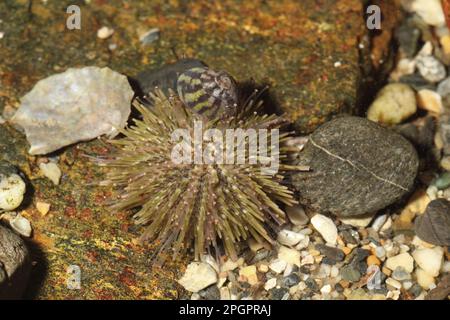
point(189, 204)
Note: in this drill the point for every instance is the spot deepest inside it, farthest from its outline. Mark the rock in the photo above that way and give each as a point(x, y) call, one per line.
point(408, 35)
point(393, 283)
point(442, 290)
point(326, 289)
point(12, 187)
point(326, 227)
point(350, 273)
point(278, 265)
point(443, 89)
point(380, 252)
point(400, 274)
point(372, 259)
point(288, 255)
point(394, 103)
point(430, 100)
point(198, 276)
point(15, 263)
point(434, 225)
point(379, 221)
point(359, 222)
point(297, 215)
point(429, 260)
point(228, 265)
point(150, 36)
point(249, 274)
point(291, 280)
point(333, 254)
point(346, 177)
point(431, 69)
point(270, 284)
point(403, 260)
point(430, 11)
point(416, 81)
point(210, 293)
point(290, 238)
point(43, 207)
point(104, 32)
point(76, 105)
point(424, 279)
point(18, 223)
point(51, 171)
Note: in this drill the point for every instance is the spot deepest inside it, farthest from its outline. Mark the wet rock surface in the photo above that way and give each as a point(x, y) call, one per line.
point(357, 167)
point(15, 265)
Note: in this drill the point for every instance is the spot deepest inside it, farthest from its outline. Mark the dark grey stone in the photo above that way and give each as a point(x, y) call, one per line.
point(434, 225)
point(15, 265)
point(356, 167)
point(332, 254)
point(407, 36)
point(350, 273)
point(291, 280)
point(277, 294)
point(312, 284)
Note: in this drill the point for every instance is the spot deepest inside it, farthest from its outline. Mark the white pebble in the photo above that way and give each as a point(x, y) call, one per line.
point(326, 227)
point(278, 266)
point(51, 171)
point(12, 190)
point(326, 289)
point(2, 34)
point(289, 255)
point(402, 260)
point(289, 238)
point(198, 276)
point(430, 11)
point(430, 260)
point(270, 284)
point(18, 223)
point(104, 32)
point(424, 279)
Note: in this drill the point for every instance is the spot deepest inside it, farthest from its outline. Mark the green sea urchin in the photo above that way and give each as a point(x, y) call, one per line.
point(199, 205)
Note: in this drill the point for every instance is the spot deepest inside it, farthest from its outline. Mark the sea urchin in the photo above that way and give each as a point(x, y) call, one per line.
point(196, 205)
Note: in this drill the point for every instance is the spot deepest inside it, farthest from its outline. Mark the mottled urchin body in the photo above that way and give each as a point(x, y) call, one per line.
point(199, 206)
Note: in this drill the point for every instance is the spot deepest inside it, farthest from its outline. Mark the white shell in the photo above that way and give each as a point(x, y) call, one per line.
point(76, 105)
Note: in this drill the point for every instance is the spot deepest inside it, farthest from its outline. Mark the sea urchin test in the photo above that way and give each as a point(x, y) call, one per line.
point(196, 205)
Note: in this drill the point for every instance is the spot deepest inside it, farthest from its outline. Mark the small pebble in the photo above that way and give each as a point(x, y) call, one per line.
point(402, 260)
point(430, 11)
point(12, 190)
point(270, 284)
point(425, 280)
point(290, 238)
point(297, 215)
point(326, 227)
point(430, 100)
point(150, 36)
point(393, 283)
point(400, 274)
point(249, 274)
point(278, 266)
point(429, 260)
point(431, 69)
point(104, 32)
point(326, 289)
point(19, 223)
point(289, 255)
point(51, 171)
point(43, 207)
point(198, 276)
point(394, 103)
